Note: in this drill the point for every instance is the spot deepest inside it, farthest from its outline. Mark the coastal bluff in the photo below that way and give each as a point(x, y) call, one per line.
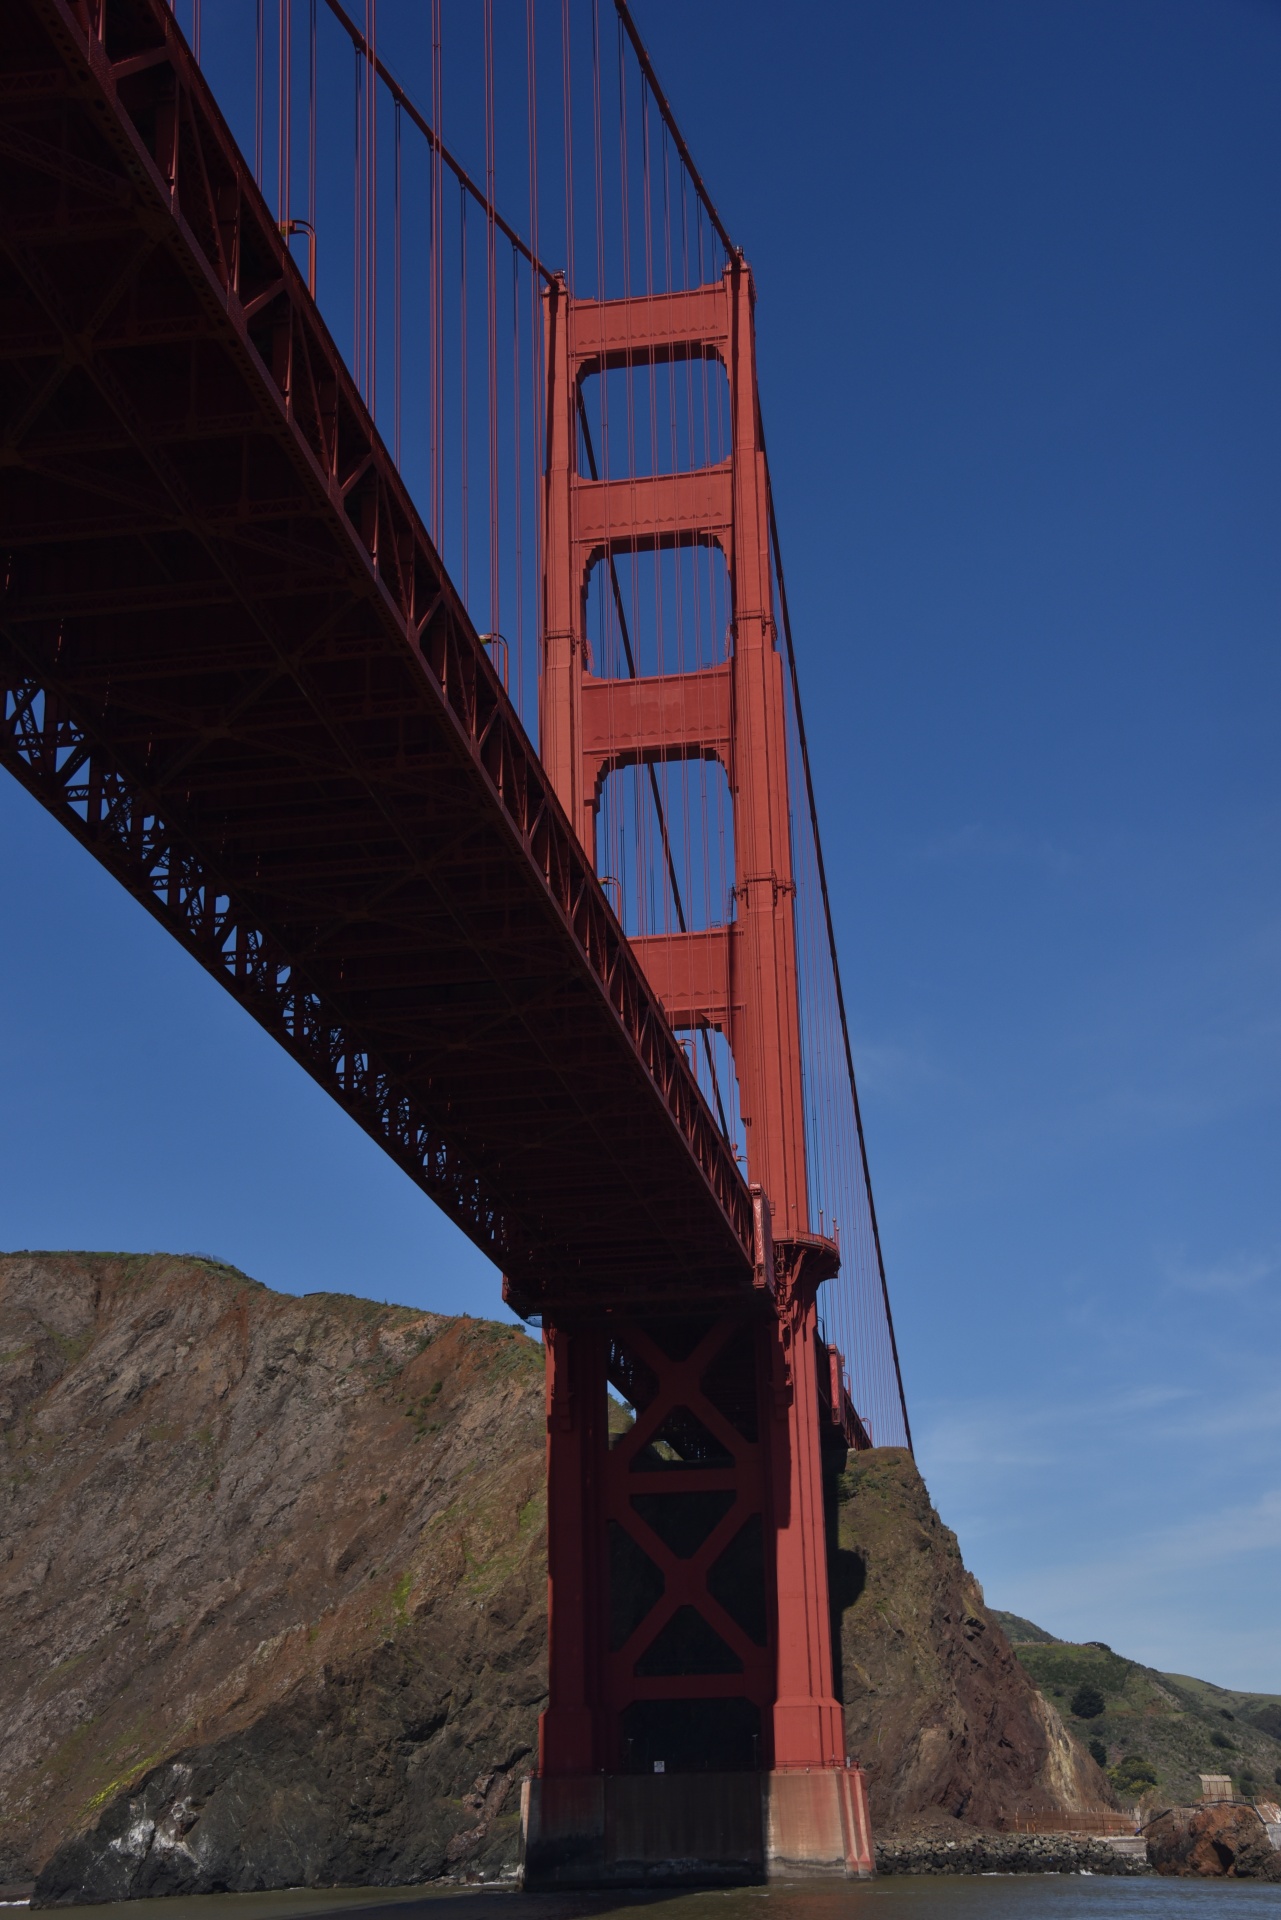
point(273, 1596)
point(937, 1706)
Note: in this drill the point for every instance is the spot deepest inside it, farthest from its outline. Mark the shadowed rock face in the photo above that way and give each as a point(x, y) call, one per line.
point(272, 1593)
point(1214, 1843)
point(936, 1705)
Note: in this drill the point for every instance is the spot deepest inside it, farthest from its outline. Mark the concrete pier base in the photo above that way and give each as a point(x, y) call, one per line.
point(694, 1829)
point(817, 1823)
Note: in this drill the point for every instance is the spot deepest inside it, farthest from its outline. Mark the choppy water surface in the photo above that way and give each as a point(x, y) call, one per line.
point(1003, 1896)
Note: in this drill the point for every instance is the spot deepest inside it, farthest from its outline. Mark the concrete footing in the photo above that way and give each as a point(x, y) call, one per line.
point(695, 1829)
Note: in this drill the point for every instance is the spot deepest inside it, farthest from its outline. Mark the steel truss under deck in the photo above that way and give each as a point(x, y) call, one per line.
point(233, 665)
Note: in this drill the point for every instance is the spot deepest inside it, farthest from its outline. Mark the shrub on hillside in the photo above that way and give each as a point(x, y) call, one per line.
point(1087, 1702)
point(1098, 1752)
point(1133, 1775)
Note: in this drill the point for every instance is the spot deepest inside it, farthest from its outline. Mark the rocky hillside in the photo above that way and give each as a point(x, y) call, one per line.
point(1156, 1732)
point(297, 1542)
point(936, 1704)
point(273, 1596)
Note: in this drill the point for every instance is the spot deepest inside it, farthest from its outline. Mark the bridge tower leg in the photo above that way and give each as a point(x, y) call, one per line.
point(690, 1625)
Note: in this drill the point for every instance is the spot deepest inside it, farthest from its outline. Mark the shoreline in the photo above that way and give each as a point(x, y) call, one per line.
point(1007, 1853)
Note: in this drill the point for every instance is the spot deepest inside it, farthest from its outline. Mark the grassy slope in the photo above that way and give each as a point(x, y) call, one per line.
point(1182, 1726)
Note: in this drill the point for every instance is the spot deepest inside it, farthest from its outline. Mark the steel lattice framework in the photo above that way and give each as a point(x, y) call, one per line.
point(232, 664)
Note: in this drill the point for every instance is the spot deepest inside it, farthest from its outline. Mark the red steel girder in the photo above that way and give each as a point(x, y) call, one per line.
point(233, 665)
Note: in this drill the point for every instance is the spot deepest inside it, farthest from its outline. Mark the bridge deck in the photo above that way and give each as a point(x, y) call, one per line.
point(232, 663)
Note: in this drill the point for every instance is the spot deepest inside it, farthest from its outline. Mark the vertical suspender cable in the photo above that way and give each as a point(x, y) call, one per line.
point(432, 134)
point(282, 109)
point(516, 472)
point(491, 316)
point(371, 196)
point(289, 110)
point(357, 216)
point(437, 293)
point(598, 180)
point(684, 180)
point(258, 59)
point(669, 118)
point(536, 388)
point(567, 63)
point(311, 133)
point(462, 384)
point(396, 294)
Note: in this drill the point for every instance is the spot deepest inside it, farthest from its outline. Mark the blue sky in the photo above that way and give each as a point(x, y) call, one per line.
point(1020, 292)
point(1020, 301)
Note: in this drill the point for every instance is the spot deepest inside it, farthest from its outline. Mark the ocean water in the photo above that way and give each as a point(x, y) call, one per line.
point(899, 1897)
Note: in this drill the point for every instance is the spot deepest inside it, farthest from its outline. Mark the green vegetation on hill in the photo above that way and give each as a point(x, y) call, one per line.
point(1261, 1710)
point(1019, 1631)
point(1156, 1733)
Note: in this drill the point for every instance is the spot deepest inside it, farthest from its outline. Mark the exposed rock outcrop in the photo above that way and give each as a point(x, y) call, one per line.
point(273, 1594)
point(1223, 1842)
point(937, 1706)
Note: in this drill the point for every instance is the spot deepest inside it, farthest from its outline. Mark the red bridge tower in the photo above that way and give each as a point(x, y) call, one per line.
point(690, 1622)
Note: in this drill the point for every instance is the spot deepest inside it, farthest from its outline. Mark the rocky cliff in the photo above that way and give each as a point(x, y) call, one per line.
point(1223, 1842)
point(272, 1594)
point(273, 1597)
point(936, 1704)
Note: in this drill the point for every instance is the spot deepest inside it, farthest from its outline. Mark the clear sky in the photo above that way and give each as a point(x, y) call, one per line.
point(1020, 311)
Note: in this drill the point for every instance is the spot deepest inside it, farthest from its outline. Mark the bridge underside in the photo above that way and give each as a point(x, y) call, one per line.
point(232, 664)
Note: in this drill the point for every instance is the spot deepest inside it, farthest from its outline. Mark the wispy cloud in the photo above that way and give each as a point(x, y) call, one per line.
point(894, 1070)
point(1230, 1274)
point(1001, 1436)
point(1000, 846)
point(990, 1438)
point(1149, 1514)
point(1202, 1541)
point(1242, 1417)
point(1053, 1428)
point(1148, 1399)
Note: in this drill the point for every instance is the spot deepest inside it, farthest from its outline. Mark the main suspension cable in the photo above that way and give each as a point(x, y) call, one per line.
point(425, 127)
point(831, 930)
point(647, 68)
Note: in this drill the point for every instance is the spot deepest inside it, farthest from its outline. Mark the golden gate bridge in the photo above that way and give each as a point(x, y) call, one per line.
point(393, 601)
